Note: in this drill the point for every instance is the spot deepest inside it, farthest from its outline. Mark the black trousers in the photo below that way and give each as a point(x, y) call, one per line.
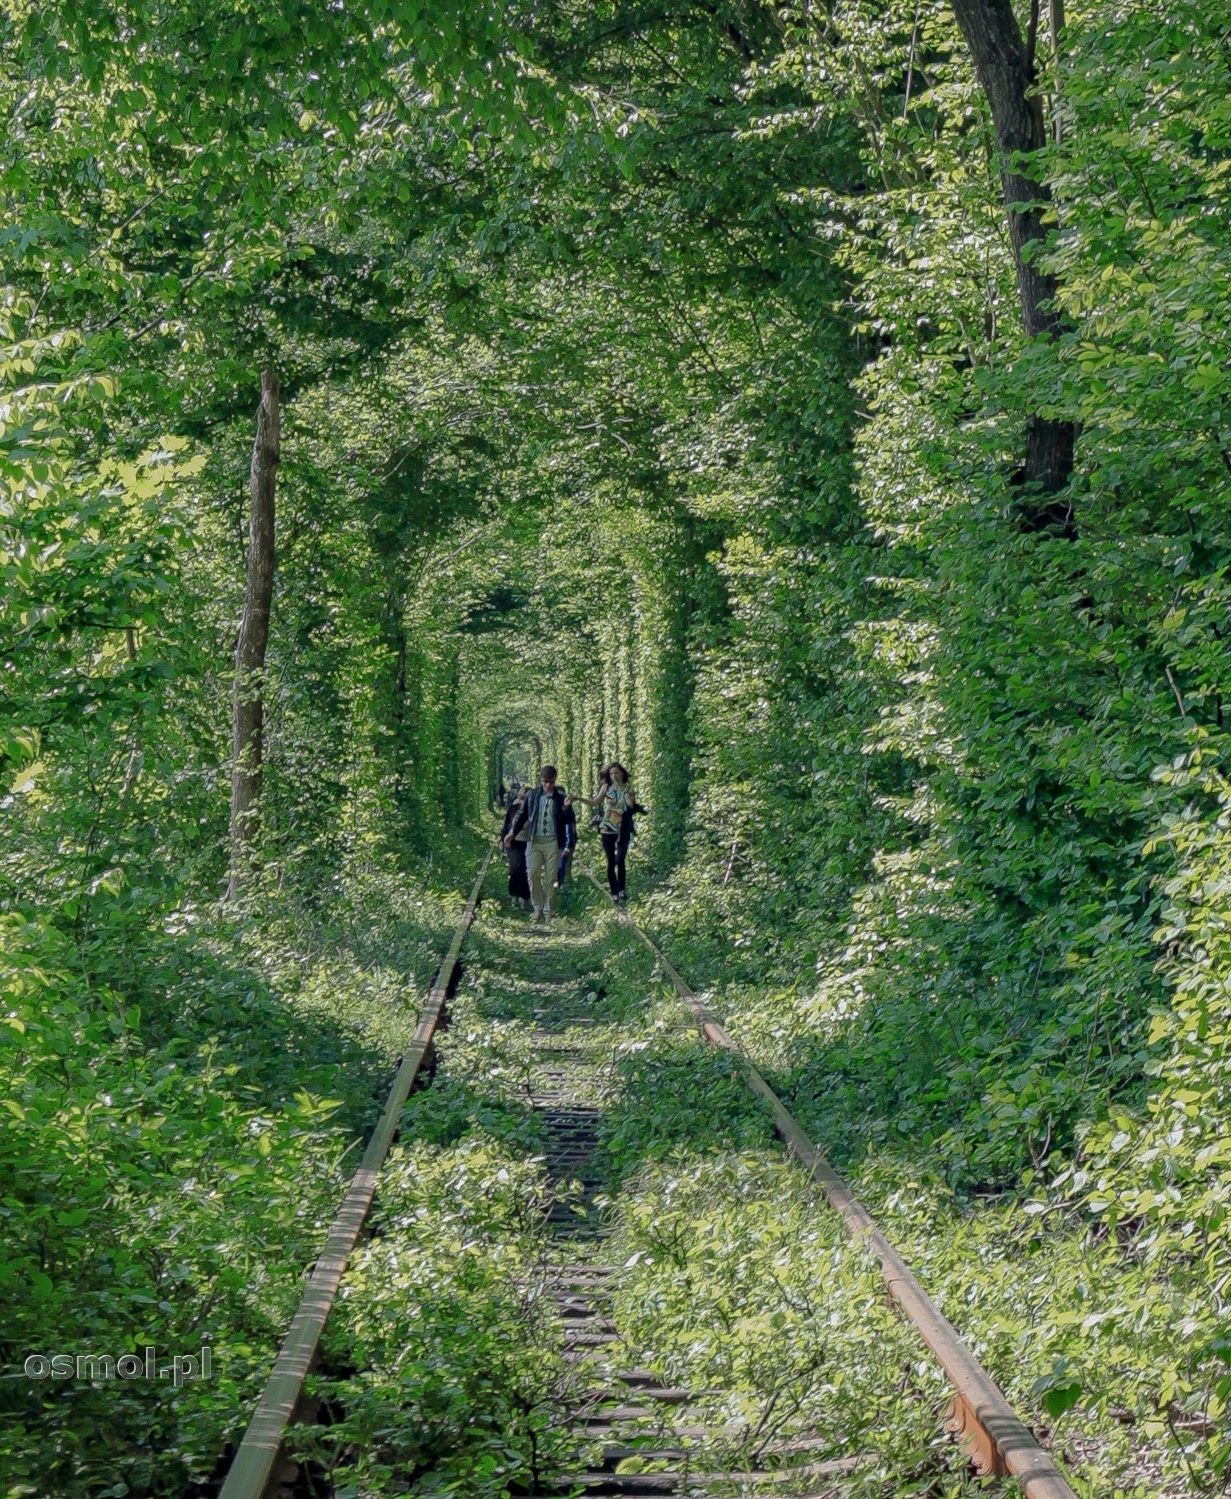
point(616, 853)
point(519, 884)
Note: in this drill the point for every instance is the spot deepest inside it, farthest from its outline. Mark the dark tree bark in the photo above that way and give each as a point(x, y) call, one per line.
point(249, 698)
point(1005, 71)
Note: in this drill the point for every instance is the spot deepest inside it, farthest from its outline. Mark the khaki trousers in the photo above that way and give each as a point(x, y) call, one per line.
point(541, 857)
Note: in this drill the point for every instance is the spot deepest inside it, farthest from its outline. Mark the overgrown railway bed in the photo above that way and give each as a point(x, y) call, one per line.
point(629, 1431)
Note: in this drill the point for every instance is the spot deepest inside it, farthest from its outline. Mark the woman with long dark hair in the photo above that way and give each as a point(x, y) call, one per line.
point(616, 804)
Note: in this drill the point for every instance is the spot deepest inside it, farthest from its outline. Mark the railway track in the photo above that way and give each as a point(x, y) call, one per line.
point(254, 1472)
point(632, 1434)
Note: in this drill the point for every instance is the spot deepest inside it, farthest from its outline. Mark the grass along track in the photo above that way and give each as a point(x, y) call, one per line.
point(687, 1316)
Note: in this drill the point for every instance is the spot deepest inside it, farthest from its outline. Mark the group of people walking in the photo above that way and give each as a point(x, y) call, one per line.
point(540, 835)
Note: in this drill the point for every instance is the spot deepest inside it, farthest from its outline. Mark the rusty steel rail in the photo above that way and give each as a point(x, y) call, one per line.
point(995, 1437)
point(253, 1464)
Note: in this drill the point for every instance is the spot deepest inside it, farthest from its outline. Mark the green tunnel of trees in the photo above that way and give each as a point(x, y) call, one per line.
point(653, 385)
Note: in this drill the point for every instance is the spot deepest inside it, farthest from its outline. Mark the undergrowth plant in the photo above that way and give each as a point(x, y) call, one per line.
point(446, 1322)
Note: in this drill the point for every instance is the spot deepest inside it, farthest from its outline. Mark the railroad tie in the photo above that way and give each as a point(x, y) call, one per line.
point(627, 1413)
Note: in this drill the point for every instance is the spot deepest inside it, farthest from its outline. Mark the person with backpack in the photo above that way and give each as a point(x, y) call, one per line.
point(542, 813)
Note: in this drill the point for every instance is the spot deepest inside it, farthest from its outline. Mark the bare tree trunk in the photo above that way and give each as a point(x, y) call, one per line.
point(249, 699)
point(1005, 70)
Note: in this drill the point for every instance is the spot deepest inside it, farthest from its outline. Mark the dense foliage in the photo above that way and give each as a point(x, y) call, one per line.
point(653, 388)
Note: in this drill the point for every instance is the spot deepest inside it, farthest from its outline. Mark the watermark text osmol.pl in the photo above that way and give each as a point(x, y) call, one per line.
point(95, 1366)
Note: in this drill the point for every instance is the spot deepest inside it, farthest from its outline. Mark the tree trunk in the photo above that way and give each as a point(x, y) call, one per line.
point(249, 698)
point(1005, 71)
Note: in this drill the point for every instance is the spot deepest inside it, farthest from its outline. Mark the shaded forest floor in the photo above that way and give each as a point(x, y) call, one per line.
point(723, 1272)
point(249, 1058)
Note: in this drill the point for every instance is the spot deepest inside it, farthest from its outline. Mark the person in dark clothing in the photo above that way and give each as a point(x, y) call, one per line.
point(542, 813)
point(502, 795)
point(570, 839)
point(519, 884)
